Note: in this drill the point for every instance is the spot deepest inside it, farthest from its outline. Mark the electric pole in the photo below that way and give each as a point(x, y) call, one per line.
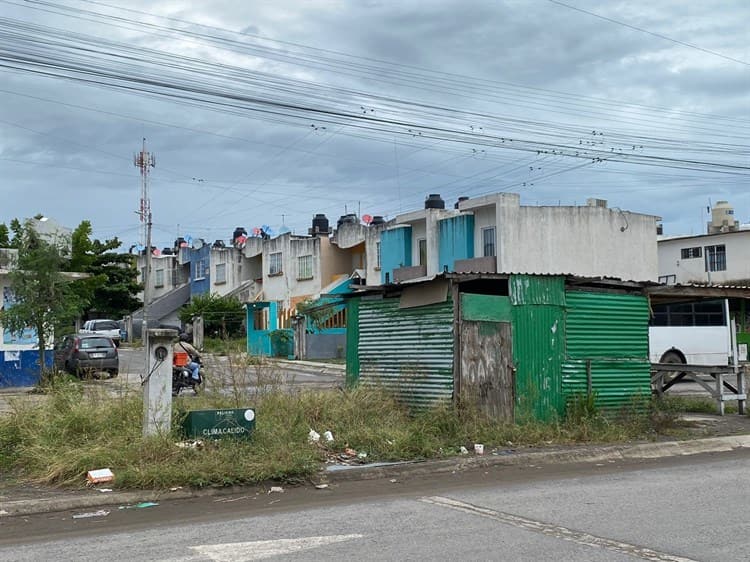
point(145, 161)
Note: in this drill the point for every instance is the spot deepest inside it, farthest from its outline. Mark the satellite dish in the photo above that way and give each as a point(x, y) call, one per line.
point(367, 219)
point(156, 252)
point(198, 243)
point(256, 231)
point(140, 247)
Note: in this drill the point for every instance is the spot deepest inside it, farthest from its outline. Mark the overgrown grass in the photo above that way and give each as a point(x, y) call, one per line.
point(224, 346)
point(56, 441)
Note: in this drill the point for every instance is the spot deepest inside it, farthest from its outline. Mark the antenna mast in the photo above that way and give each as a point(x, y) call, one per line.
point(144, 161)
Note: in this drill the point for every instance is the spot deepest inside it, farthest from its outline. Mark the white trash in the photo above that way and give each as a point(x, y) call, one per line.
point(328, 436)
point(313, 436)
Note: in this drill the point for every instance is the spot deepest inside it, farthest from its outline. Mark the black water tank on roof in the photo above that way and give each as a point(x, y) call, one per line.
point(460, 200)
point(179, 242)
point(434, 201)
point(319, 224)
point(238, 231)
point(350, 218)
point(376, 220)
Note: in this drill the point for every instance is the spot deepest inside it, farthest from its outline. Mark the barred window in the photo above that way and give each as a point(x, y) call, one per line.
point(488, 241)
point(221, 273)
point(305, 267)
point(274, 266)
point(716, 258)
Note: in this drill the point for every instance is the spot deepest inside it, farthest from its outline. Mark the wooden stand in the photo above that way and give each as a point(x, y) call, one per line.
point(716, 387)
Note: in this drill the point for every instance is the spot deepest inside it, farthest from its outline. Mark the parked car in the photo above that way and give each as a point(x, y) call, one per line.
point(81, 354)
point(110, 328)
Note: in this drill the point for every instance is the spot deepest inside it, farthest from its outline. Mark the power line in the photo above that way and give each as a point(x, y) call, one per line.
point(652, 33)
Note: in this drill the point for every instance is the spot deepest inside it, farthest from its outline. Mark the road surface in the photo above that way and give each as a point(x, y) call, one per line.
point(675, 509)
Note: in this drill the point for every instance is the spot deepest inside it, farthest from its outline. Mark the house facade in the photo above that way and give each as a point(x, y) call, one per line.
point(495, 233)
point(720, 258)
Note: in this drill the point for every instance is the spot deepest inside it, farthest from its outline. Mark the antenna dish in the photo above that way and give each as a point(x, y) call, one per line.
point(367, 219)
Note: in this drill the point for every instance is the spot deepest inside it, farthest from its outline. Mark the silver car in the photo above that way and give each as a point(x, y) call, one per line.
point(110, 328)
point(83, 354)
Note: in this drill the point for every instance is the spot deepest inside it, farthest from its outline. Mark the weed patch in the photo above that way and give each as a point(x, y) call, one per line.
point(56, 441)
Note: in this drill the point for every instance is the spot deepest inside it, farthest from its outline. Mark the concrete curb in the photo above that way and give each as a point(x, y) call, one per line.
point(572, 455)
point(85, 500)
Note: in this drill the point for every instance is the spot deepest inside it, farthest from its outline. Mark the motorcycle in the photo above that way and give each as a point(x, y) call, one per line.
point(182, 377)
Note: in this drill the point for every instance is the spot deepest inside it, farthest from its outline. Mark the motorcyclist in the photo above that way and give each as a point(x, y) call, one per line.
point(183, 346)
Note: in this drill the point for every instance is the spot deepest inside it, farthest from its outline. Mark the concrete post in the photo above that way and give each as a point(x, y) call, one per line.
point(157, 388)
point(198, 332)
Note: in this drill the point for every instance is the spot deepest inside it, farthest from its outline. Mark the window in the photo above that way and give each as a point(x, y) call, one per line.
point(221, 273)
point(305, 267)
point(201, 270)
point(422, 246)
point(690, 253)
point(274, 267)
point(143, 275)
point(668, 279)
point(377, 255)
point(704, 313)
point(716, 258)
point(488, 241)
point(159, 278)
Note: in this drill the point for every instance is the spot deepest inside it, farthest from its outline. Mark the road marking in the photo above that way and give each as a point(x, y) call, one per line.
point(556, 531)
point(258, 550)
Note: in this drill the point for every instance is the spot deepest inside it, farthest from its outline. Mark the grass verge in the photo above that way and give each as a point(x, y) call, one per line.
point(57, 440)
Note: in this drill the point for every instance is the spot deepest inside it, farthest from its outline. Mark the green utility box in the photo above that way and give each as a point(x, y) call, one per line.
point(216, 424)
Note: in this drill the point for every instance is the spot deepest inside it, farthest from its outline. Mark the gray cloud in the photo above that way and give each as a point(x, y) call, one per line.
point(585, 73)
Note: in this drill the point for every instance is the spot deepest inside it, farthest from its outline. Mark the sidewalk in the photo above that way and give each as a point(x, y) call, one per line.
point(18, 500)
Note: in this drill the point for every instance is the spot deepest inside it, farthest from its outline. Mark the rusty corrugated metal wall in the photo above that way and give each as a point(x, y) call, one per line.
point(538, 345)
point(407, 351)
point(606, 335)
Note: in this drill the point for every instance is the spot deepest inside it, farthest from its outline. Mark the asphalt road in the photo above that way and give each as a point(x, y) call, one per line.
point(674, 509)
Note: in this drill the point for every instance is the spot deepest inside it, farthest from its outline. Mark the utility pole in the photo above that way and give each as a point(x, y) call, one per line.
point(145, 161)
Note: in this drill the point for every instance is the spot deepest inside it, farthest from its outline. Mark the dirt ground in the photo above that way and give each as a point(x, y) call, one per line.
point(714, 425)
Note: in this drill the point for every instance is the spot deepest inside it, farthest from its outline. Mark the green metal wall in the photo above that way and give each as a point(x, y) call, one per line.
point(536, 289)
point(538, 345)
point(407, 351)
point(610, 331)
point(352, 342)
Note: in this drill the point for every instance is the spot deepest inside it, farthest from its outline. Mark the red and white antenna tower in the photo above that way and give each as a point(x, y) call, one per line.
point(144, 161)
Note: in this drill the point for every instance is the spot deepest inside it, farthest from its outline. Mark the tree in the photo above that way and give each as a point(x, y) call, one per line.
point(43, 296)
point(17, 229)
point(221, 315)
point(4, 236)
point(112, 285)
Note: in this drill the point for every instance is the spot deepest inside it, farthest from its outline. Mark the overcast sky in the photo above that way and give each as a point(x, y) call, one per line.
point(265, 113)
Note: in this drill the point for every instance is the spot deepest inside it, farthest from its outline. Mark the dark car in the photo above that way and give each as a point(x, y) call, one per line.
point(82, 354)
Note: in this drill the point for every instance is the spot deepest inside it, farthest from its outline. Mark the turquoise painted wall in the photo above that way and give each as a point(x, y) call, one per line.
point(259, 341)
point(395, 251)
point(456, 236)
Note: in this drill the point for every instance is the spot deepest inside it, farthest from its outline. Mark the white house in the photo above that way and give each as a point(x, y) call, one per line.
point(721, 256)
point(495, 233)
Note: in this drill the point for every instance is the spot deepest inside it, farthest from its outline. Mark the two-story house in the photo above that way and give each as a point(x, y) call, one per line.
point(495, 233)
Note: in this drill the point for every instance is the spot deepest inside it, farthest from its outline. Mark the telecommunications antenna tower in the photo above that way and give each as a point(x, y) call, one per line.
point(144, 161)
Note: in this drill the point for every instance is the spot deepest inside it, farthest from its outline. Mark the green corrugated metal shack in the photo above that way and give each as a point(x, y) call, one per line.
point(519, 346)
